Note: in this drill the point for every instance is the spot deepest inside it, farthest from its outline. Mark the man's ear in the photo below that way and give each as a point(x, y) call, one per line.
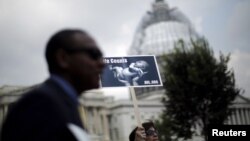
point(62, 59)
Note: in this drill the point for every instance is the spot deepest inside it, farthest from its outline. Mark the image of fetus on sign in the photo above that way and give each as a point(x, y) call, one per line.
point(130, 75)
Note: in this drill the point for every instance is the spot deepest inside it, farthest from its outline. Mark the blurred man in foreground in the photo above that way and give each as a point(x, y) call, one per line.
point(50, 112)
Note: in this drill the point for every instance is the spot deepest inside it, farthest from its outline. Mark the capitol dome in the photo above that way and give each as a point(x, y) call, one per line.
point(159, 29)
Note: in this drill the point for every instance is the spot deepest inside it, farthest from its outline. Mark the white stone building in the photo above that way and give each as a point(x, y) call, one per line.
point(109, 120)
point(122, 118)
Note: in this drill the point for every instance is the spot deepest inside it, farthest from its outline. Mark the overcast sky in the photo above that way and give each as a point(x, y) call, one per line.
point(26, 25)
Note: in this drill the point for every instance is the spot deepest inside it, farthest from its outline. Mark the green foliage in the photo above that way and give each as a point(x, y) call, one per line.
point(164, 126)
point(199, 89)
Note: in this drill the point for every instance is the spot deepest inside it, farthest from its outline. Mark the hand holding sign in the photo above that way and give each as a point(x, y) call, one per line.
point(133, 71)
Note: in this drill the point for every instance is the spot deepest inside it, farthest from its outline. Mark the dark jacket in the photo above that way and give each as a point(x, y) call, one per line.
point(42, 115)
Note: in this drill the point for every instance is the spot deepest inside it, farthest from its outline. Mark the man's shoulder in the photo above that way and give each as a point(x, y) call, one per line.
point(42, 93)
point(49, 86)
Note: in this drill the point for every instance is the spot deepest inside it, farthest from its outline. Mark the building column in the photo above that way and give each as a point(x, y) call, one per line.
point(247, 112)
point(5, 110)
point(1, 116)
point(90, 115)
point(105, 126)
point(229, 119)
point(239, 122)
point(233, 117)
point(97, 127)
point(245, 115)
point(242, 116)
point(83, 116)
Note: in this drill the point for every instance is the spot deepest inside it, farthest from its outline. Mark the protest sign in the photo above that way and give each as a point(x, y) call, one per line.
point(130, 71)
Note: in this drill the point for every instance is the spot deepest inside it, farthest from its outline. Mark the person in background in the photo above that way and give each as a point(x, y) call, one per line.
point(147, 132)
point(50, 111)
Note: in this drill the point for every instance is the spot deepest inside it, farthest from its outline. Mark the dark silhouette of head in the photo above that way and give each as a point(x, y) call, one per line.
point(74, 55)
point(60, 40)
